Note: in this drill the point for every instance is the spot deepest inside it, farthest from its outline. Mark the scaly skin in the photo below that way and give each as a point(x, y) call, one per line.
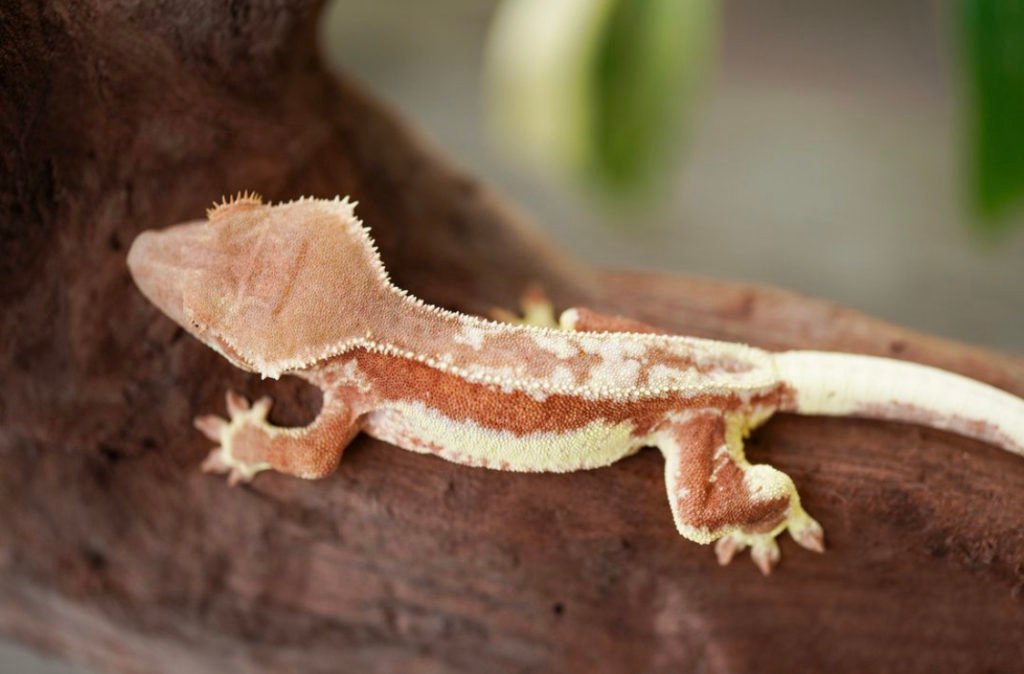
point(299, 289)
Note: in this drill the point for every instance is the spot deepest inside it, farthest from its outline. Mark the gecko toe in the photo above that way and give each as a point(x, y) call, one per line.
point(237, 403)
point(810, 536)
point(237, 477)
point(764, 549)
point(806, 531)
point(214, 463)
point(261, 407)
point(210, 425)
point(765, 553)
point(726, 548)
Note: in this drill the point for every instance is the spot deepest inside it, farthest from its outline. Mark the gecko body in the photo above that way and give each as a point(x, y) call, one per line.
point(299, 289)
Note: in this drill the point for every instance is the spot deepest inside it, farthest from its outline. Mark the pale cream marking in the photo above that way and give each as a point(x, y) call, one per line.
point(614, 349)
point(349, 374)
point(624, 372)
point(620, 362)
point(843, 384)
point(562, 377)
point(556, 344)
point(672, 451)
point(663, 376)
point(763, 484)
point(592, 446)
point(471, 335)
point(721, 460)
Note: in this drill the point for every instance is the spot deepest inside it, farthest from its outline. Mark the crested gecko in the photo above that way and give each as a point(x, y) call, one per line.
point(298, 288)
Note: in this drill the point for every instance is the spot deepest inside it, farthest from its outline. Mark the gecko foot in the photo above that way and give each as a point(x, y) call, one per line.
point(536, 307)
point(764, 550)
point(244, 417)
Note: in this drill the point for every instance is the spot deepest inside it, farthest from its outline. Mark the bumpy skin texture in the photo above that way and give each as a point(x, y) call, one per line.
point(299, 289)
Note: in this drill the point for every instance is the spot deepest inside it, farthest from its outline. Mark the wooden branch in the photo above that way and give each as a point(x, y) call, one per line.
point(116, 551)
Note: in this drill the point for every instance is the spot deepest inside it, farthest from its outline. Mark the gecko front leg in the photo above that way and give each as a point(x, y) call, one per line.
point(250, 444)
point(716, 494)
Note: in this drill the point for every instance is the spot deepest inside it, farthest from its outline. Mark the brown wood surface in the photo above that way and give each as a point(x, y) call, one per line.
point(115, 550)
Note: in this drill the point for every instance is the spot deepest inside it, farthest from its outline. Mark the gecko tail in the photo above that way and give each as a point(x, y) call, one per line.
point(841, 384)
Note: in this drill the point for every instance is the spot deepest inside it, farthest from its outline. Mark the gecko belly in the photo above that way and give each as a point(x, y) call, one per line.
point(414, 426)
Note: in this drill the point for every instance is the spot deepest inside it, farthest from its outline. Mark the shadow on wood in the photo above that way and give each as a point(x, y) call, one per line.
point(116, 551)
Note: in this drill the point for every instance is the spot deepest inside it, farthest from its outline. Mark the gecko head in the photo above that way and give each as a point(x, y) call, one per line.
point(272, 288)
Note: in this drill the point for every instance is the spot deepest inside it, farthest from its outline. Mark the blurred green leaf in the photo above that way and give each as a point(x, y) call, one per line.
point(647, 66)
point(993, 36)
point(601, 90)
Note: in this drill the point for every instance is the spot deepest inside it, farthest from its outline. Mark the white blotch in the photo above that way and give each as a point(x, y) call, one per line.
point(621, 362)
point(471, 335)
point(619, 373)
point(663, 376)
point(559, 345)
point(763, 483)
point(561, 378)
point(348, 374)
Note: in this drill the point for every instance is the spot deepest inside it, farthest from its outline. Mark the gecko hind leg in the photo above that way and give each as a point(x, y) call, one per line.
point(740, 509)
point(716, 494)
point(249, 444)
point(536, 308)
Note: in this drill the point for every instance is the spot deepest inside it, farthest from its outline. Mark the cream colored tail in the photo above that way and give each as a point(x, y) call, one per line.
point(842, 384)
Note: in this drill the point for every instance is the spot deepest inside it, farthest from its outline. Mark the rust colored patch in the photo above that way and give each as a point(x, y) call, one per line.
point(707, 488)
point(395, 379)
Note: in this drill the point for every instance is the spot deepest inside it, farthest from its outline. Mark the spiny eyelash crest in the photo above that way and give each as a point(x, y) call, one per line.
point(244, 197)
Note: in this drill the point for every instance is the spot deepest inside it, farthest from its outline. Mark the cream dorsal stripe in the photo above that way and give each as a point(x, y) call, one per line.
point(299, 289)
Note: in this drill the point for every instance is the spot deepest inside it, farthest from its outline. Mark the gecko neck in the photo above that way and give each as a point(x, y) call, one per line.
point(428, 330)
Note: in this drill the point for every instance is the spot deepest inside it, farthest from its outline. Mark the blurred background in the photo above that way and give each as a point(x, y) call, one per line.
point(827, 149)
point(866, 152)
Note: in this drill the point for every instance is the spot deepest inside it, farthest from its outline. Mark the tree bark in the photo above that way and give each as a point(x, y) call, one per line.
point(116, 551)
